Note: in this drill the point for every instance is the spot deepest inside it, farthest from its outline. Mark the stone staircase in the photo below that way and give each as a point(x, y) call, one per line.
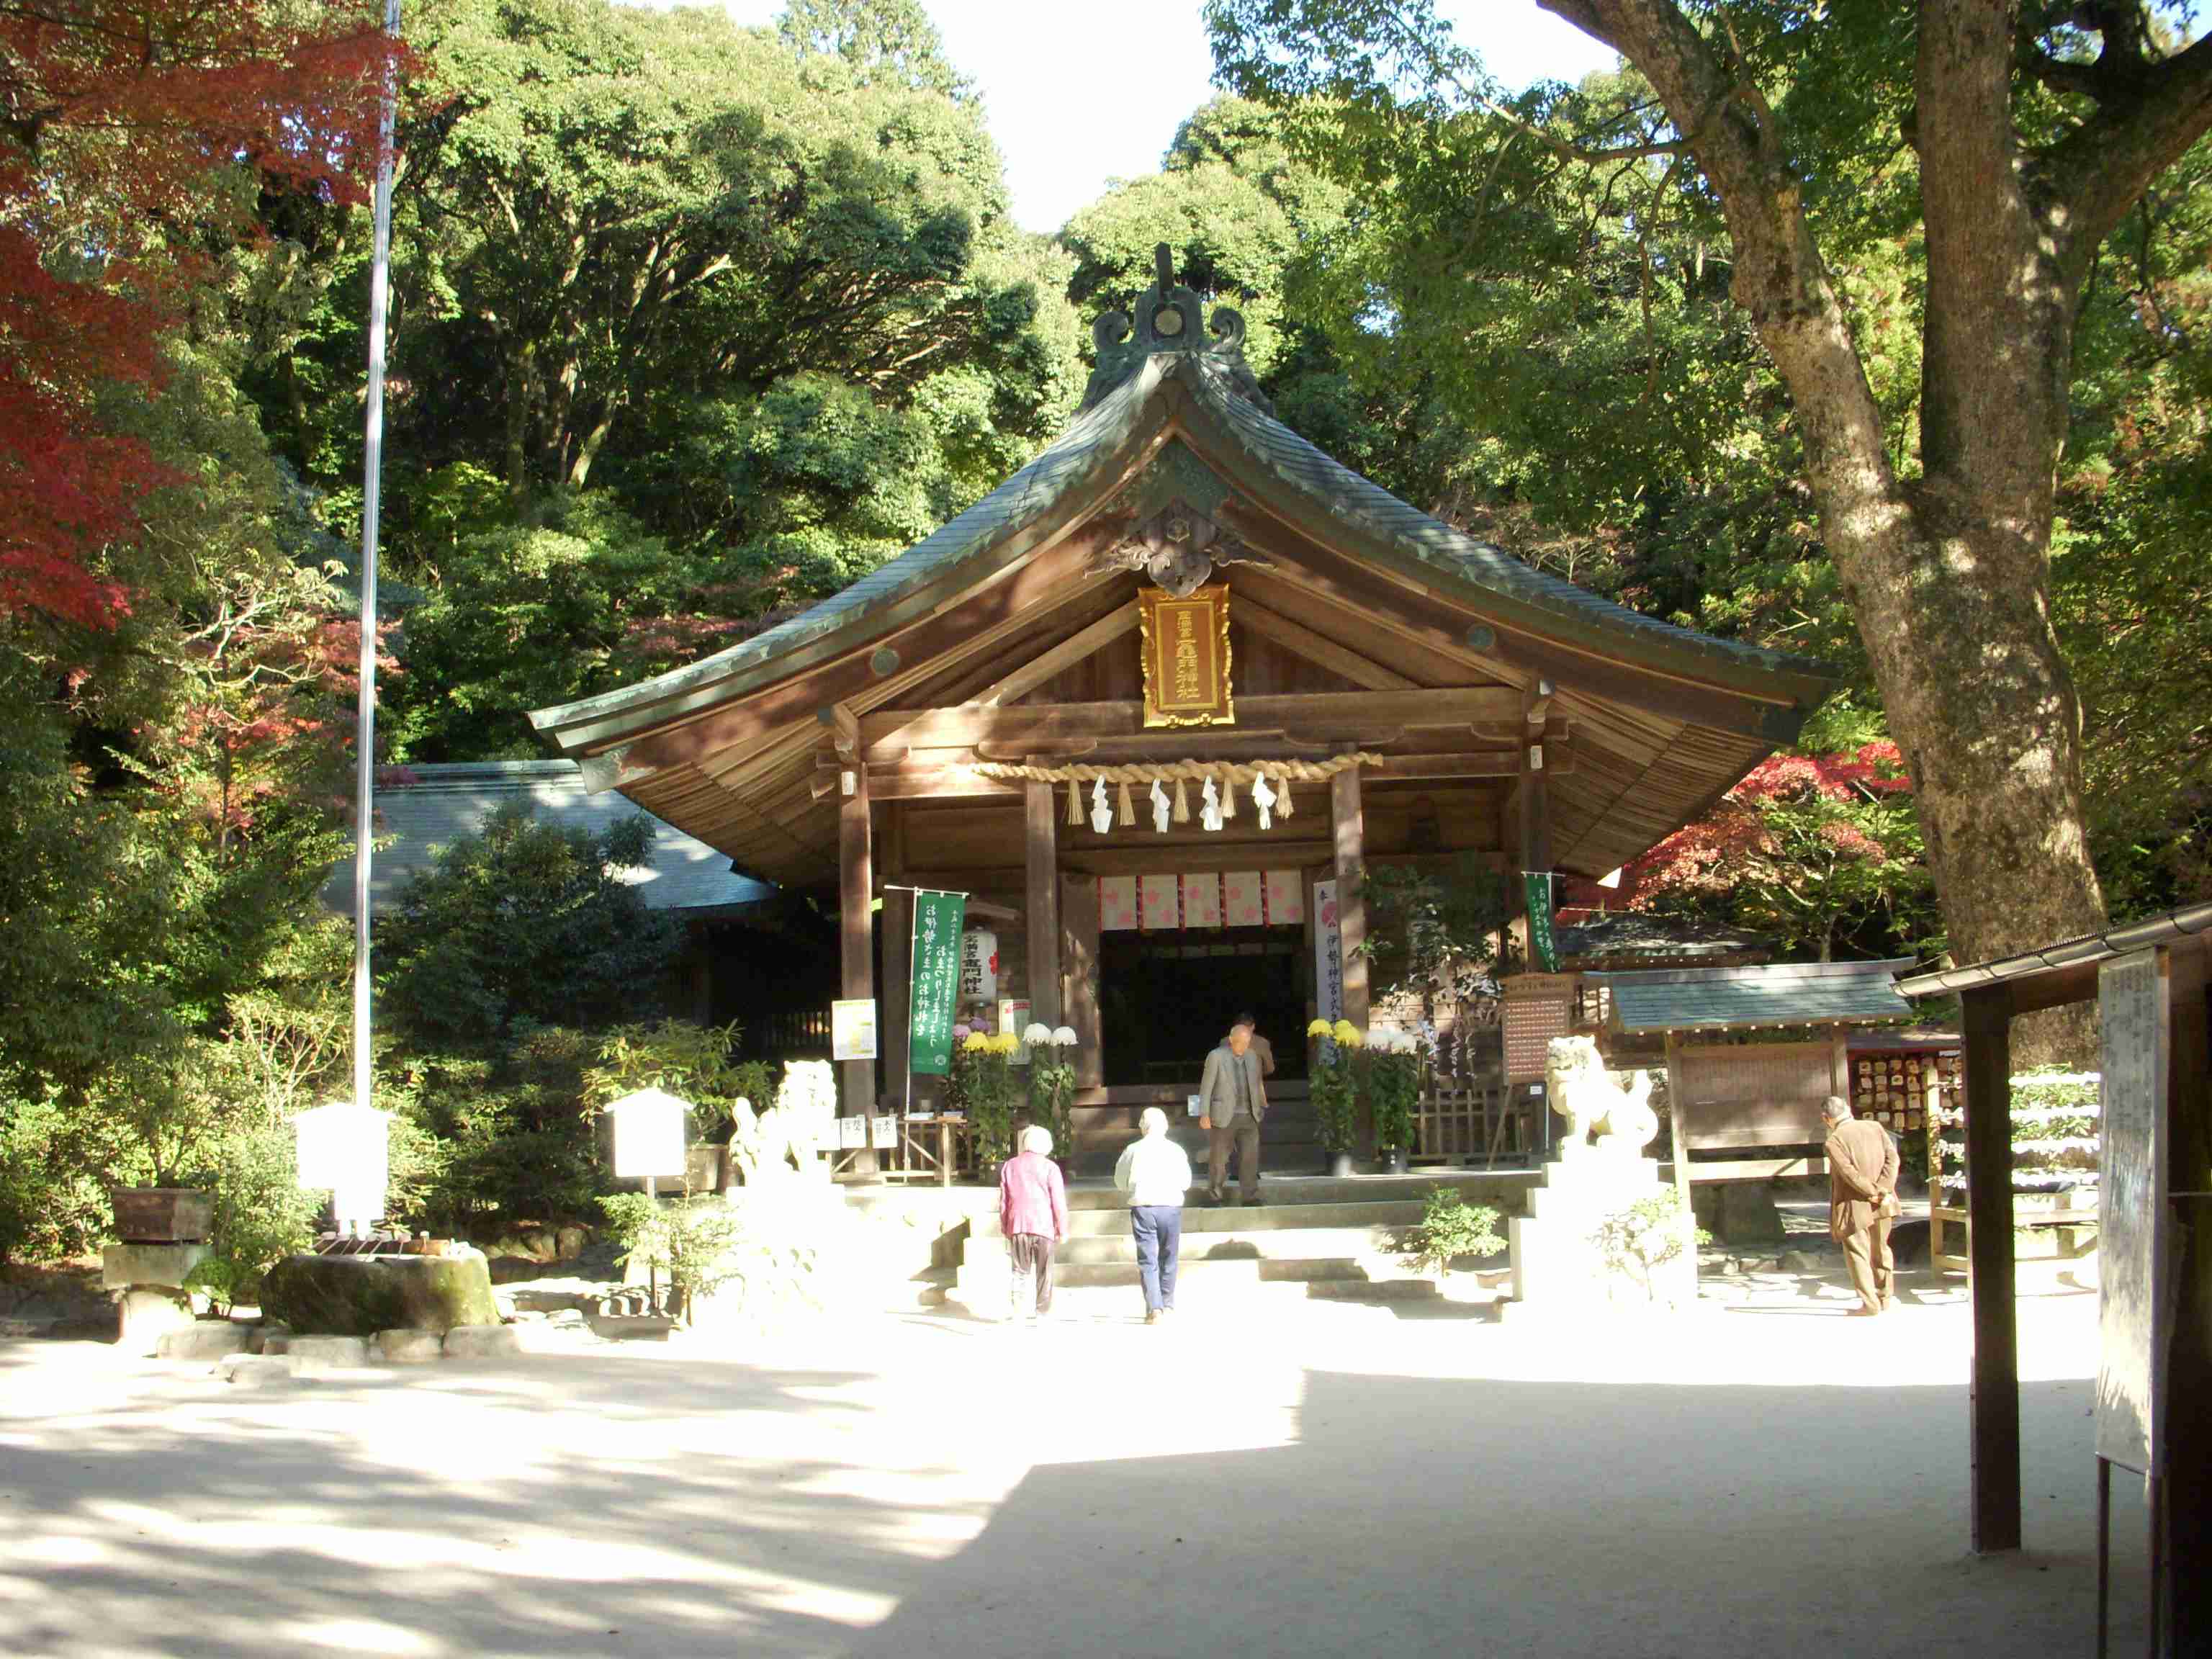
point(1309, 1237)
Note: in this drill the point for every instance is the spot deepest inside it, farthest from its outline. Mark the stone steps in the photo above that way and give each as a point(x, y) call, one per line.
point(1502, 1187)
point(1280, 1244)
point(1206, 1220)
point(988, 1279)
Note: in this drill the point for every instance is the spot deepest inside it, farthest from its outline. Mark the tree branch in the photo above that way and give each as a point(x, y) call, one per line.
point(2094, 176)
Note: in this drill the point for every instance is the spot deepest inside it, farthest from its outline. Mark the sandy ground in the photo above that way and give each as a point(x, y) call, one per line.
point(1758, 1477)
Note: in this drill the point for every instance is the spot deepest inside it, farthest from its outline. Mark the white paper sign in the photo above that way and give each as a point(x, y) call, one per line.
point(883, 1133)
point(2133, 1266)
point(648, 1134)
point(852, 1029)
point(979, 965)
point(852, 1133)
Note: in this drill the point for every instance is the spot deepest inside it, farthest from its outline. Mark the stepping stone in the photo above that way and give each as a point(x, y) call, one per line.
point(318, 1353)
point(206, 1338)
point(483, 1342)
point(410, 1348)
point(258, 1371)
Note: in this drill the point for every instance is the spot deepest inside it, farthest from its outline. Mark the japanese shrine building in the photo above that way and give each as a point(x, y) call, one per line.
point(980, 714)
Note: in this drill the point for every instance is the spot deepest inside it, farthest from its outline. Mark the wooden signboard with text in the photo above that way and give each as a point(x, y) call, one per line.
point(1186, 652)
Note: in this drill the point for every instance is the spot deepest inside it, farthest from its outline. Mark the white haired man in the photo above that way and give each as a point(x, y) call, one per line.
point(1033, 1215)
point(1155, 1172)
point(1232, 1096)
point(1862, 1201)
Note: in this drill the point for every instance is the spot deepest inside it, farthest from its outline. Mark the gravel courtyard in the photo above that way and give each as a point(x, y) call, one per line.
point(1760, 1476)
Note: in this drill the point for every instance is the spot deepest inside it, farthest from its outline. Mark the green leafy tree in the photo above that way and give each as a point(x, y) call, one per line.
point(500, 964)
point(2036, 135)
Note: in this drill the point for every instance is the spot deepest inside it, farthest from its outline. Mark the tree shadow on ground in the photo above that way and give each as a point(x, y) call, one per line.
point(613, 1504)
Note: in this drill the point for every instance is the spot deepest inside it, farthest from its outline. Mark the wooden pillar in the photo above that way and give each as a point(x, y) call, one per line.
point(856, 892)
point(1348, 822)
point(1678, 1107)
point(1041, 918)
point(1079, 1003)
point(1994, 1410)
point(1535, 801)
point(2186, 1626)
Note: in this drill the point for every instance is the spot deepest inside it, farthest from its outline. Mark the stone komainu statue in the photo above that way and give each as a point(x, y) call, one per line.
point(1581, 1091)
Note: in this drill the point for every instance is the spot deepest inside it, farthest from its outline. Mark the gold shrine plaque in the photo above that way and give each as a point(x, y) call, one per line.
point(1186, 649)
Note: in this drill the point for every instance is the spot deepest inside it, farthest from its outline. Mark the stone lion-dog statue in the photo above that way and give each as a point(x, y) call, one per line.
point(1580, 1091)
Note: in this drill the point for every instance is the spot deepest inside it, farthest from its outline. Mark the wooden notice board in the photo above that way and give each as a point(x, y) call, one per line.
point(1534, 1008)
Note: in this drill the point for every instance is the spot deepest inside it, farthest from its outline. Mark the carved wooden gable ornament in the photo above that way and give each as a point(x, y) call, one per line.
point(1186, 650)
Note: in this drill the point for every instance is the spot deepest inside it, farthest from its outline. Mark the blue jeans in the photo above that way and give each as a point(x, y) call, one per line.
point(1158, 1230)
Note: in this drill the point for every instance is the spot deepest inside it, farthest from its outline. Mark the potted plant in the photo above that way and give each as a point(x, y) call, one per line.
point(1052, 1086)
point(1334, 1091)
point(983, 1085)
point(1394, 1084)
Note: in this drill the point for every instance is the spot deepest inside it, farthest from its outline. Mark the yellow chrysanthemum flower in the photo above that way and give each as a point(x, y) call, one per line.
point(1346, 1033)
point(1321, 1028)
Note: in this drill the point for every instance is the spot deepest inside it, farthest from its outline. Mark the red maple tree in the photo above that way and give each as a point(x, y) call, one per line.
point(117, 120)
point(1806, 849)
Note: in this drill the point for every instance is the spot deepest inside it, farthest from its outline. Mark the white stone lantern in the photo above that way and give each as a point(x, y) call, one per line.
point(345, 1149)
point(649, 1135)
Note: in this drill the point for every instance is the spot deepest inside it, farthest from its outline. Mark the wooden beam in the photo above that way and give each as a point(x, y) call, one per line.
point(1248, 612)
point(1540, 708)
point(1142, 853)
point(1041, 919)
point(1084, 643)
point(856, 956)
point(844, 728)
point(947, 774)
point(1994, 1401)
point(1348, 840)
point(1339, 715)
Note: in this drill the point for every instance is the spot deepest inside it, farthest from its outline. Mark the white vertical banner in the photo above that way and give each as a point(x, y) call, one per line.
point(1329, 953)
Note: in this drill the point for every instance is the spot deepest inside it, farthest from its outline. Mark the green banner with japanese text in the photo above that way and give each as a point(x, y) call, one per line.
point(938, 918)
point(1543, 949)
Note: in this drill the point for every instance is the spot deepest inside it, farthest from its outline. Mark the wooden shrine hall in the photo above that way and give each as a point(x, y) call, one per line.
point(1147, 700)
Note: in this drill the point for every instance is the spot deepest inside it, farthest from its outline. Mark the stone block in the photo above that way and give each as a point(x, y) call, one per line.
point(1810, 1262)
point(206, 1338)
point(122, 1265)
point(1747, 1215)
point(483, 1342)
point(27, 1325)
point(144, 1317)
point(258, 1371)
point(318, 1353)
point(570, 1242)
point(408, 1347)
point(361, 1295)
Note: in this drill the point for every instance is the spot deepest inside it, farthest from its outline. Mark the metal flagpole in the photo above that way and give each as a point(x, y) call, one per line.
point(364, 830)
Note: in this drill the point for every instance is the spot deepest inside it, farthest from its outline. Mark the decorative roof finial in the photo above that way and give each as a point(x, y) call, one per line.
point(1168, 318)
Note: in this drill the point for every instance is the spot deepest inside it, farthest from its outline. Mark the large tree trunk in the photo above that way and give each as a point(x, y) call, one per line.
point(1948, 576)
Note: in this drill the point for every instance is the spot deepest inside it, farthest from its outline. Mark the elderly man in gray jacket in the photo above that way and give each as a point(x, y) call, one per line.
point(1232, 1100)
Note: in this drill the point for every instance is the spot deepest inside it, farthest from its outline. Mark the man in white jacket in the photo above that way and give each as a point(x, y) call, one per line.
point(1155, 1172)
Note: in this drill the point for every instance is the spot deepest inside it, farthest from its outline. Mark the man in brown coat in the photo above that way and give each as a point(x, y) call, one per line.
point(1862, 1200)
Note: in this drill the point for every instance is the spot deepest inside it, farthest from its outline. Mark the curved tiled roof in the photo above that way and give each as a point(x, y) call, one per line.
point(1088, 456)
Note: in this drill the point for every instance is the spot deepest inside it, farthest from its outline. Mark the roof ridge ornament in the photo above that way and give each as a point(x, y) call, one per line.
point(1167, 318)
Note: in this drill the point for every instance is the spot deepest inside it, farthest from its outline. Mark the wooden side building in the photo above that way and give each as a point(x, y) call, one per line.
point(959, 718)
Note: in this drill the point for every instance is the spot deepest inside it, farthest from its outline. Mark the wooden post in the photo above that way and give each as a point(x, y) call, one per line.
point(1931, 1113)
point(1993, 1409)
point(897, 1020)
point(2186, 1623)
point(856, 891)
point(1078, 1002)
point(1678, 1107)
point(1349, 823)
point(1041, 919)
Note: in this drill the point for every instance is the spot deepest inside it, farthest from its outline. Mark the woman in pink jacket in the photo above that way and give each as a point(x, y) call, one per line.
point(1033, 1215)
